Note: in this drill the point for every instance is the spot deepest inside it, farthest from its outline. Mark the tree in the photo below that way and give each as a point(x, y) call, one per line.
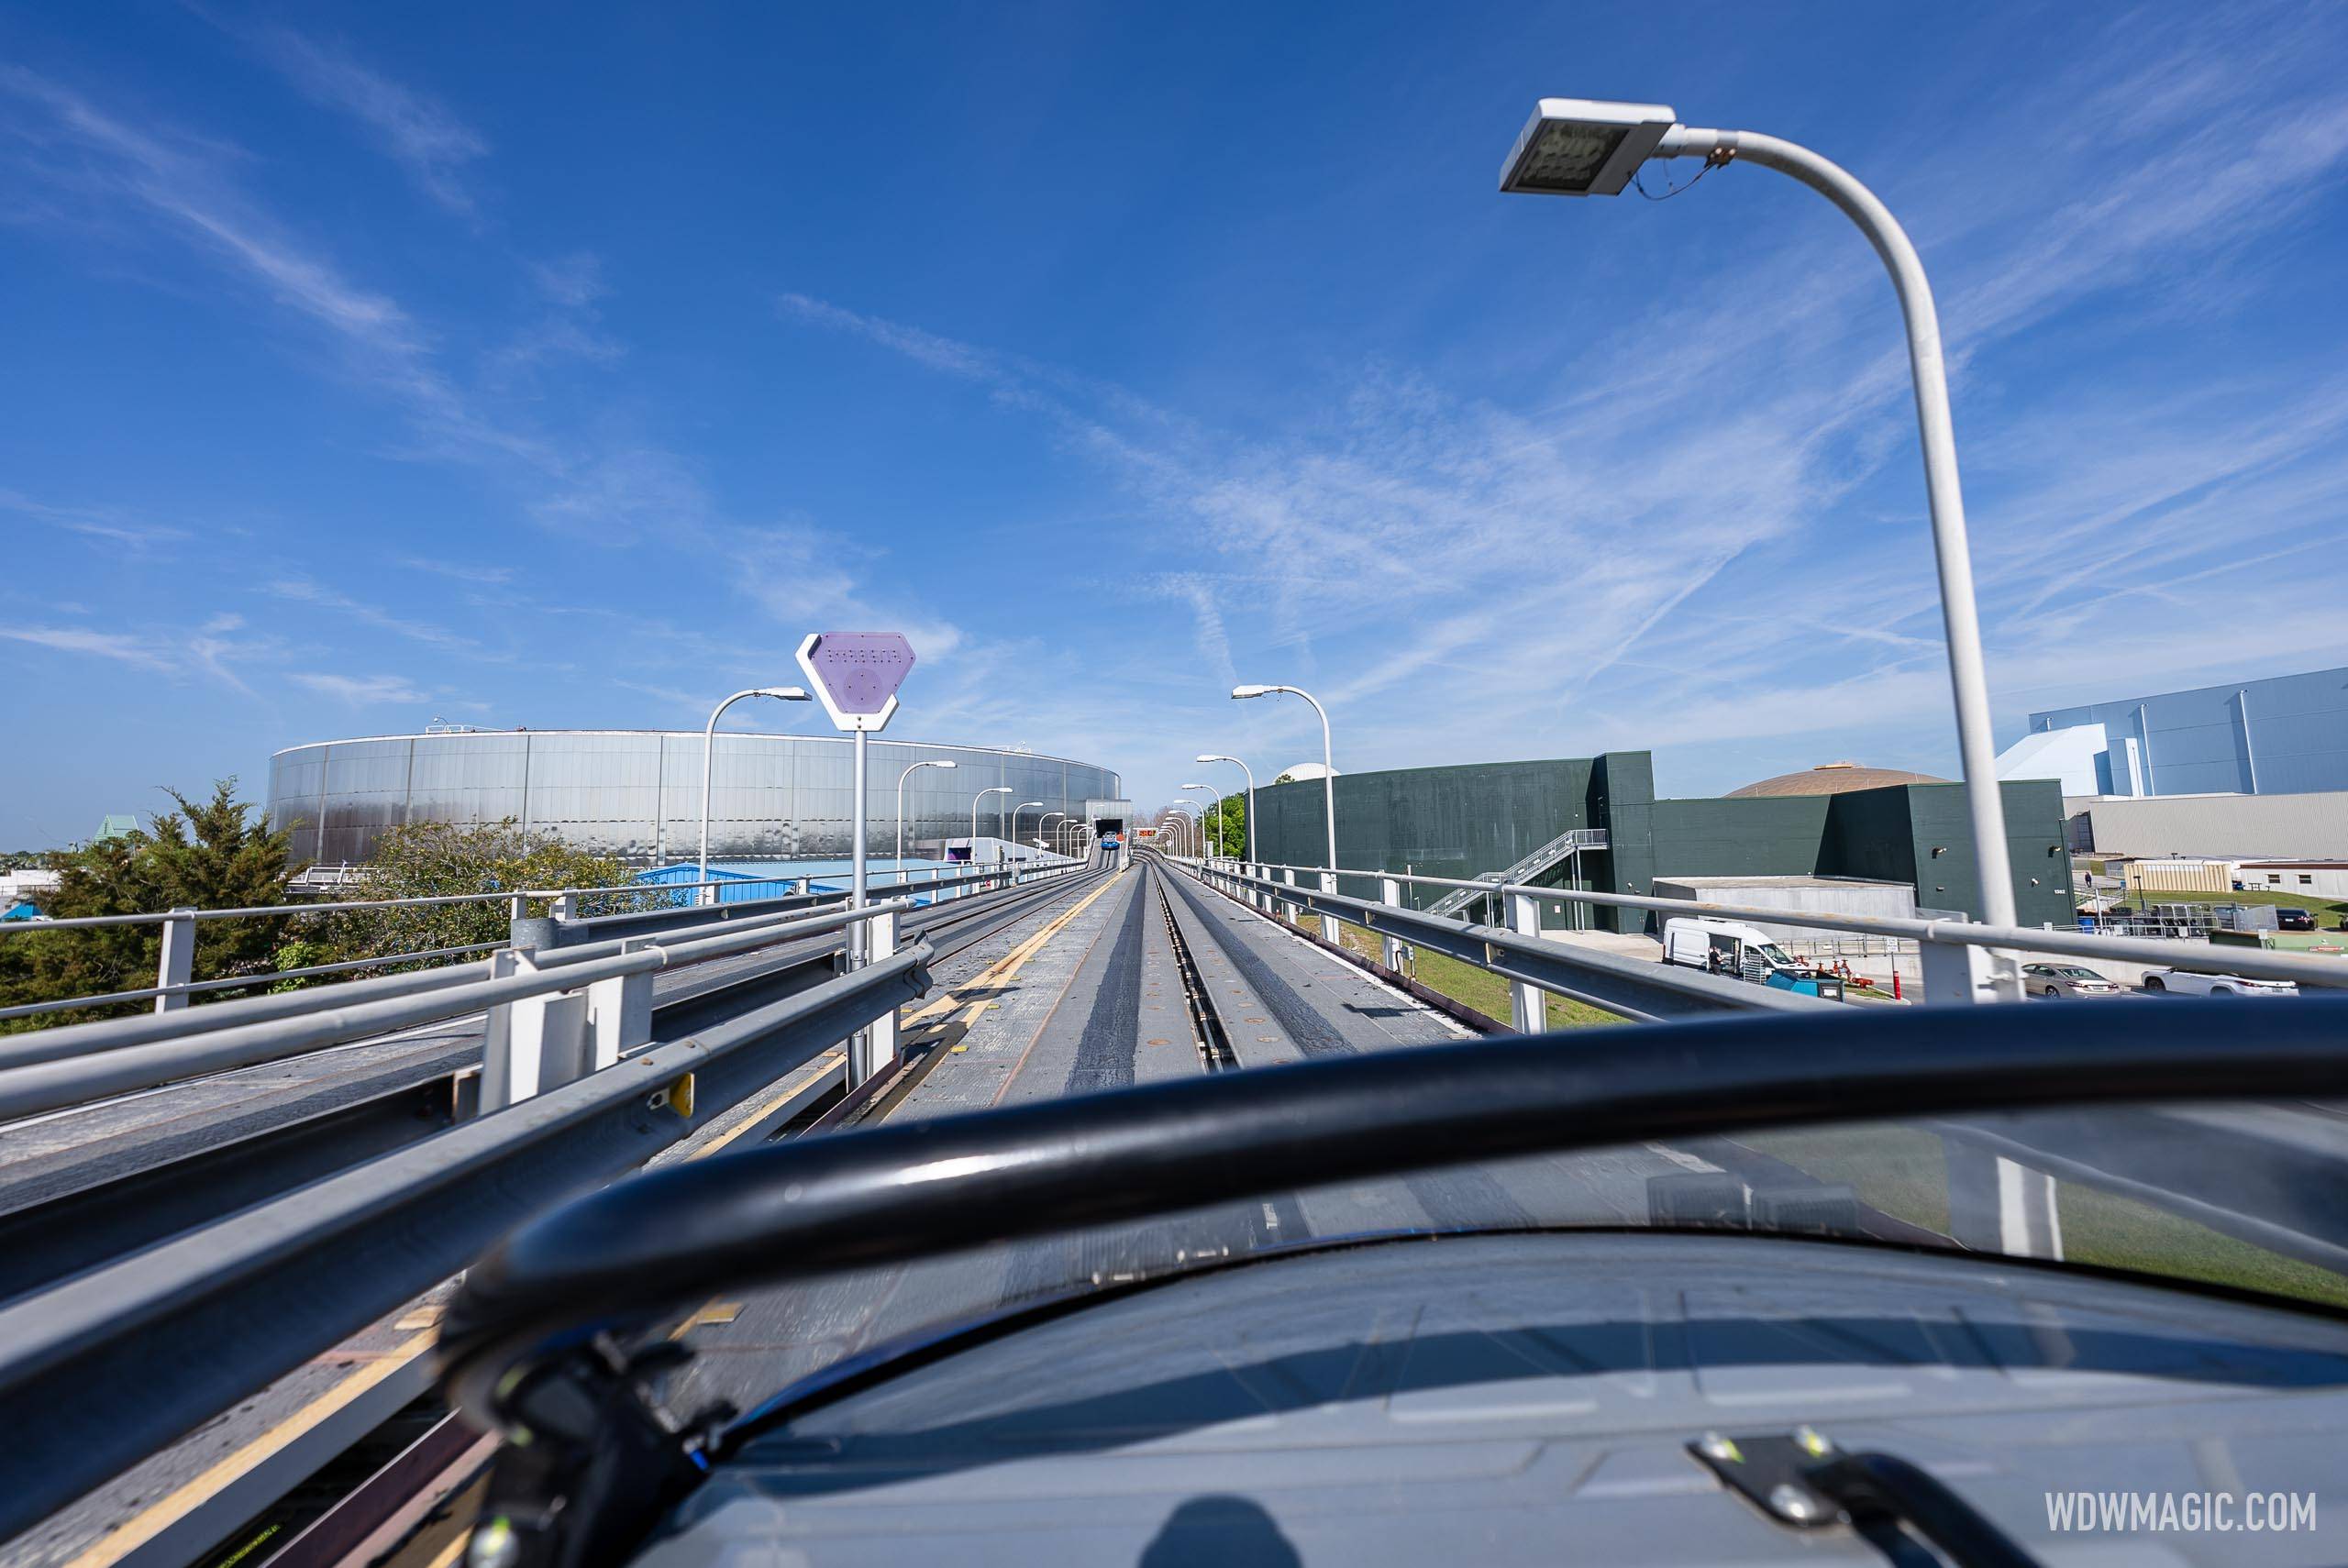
point(425, 860)
point(1227, 826)
point(214, 854)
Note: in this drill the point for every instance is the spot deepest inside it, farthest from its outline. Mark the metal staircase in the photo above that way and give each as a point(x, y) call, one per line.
point(1573, 841)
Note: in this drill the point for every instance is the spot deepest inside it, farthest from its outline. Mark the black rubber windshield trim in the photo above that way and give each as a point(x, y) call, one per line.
point(901, 1192)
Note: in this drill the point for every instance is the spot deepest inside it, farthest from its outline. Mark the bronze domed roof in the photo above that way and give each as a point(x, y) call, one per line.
point(1831, 778)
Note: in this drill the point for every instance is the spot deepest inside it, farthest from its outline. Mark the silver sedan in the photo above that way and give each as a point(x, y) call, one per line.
point(2067, 980)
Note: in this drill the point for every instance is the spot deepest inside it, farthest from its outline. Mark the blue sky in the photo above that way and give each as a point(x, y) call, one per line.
point(562, 365)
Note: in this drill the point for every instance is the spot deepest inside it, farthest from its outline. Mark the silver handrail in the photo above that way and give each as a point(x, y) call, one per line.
point(34, 1077)
point(2304, 969)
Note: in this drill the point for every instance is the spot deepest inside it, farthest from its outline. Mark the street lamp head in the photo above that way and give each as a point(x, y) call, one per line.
point(1193, 786)
point(1251, 692)
point(1583, 146)
point(1210, 757)
point(939, 762)
point(999, 789)
point(785, 694)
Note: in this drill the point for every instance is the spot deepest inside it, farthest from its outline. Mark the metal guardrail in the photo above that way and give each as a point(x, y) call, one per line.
point(104, 1202)
point(54, 1068)
point(2275, 1192)
point(115, 1363)
point(174, 986)
point(1941, 940)
point(562, 931)
point(1633, 987)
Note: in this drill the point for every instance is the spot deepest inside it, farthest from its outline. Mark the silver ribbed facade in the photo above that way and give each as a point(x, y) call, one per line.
point(637, 793)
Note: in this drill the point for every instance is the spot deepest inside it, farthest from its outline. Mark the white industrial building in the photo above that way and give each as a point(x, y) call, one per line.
point(2221, 827)
point(1838, 895)
point(2309, 879)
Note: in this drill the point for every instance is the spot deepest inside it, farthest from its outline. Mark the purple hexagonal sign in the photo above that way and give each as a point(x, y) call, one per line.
point(857, 673)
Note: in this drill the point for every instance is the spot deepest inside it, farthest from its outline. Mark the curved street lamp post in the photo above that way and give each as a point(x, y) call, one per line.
point(703, 895)
point(1328, 790)
point(975, 800)
point(1250, 775)
point(1014, 840)
point(1580, 147)
point(908, 773)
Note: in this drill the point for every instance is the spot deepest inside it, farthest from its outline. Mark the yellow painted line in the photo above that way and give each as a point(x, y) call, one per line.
point(153, 1520)
point(1009, 964)
point(793, 1084)
point(167, 1510)
point(447, 1556)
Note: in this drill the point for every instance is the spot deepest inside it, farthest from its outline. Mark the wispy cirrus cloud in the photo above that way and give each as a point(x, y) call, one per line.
point(110, 523)
point(364, 691)
point(1463, 578)
point(595, 486)
point(420, 134)
point(209, 650)
point(118, 647)
point(304, 591)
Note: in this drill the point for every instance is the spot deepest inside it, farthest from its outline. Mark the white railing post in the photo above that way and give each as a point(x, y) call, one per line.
point(566, 906)
point(532, 1044)
point(1295, 910)
point(518, 907)
point(176, 965)
point(1528, 1012)
point(619, 1014)
point(1328, 922)
point(1390, 893)
point(876, 1047)
point(1953, 972)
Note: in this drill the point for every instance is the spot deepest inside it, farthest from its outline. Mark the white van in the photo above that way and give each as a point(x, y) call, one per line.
point(1741, 951)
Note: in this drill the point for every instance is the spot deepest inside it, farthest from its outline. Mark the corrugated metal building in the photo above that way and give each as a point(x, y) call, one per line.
point(637, 793)
point(2284, 735)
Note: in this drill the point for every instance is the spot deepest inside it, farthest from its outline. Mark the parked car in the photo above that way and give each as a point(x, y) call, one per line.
point(2067, 980)
point(2185, 982)
point(2290, 918)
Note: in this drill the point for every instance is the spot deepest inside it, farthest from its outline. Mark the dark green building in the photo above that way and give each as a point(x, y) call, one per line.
point(1476, 817)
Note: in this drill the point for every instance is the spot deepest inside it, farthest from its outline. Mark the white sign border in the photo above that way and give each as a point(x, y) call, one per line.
point(870, 723)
